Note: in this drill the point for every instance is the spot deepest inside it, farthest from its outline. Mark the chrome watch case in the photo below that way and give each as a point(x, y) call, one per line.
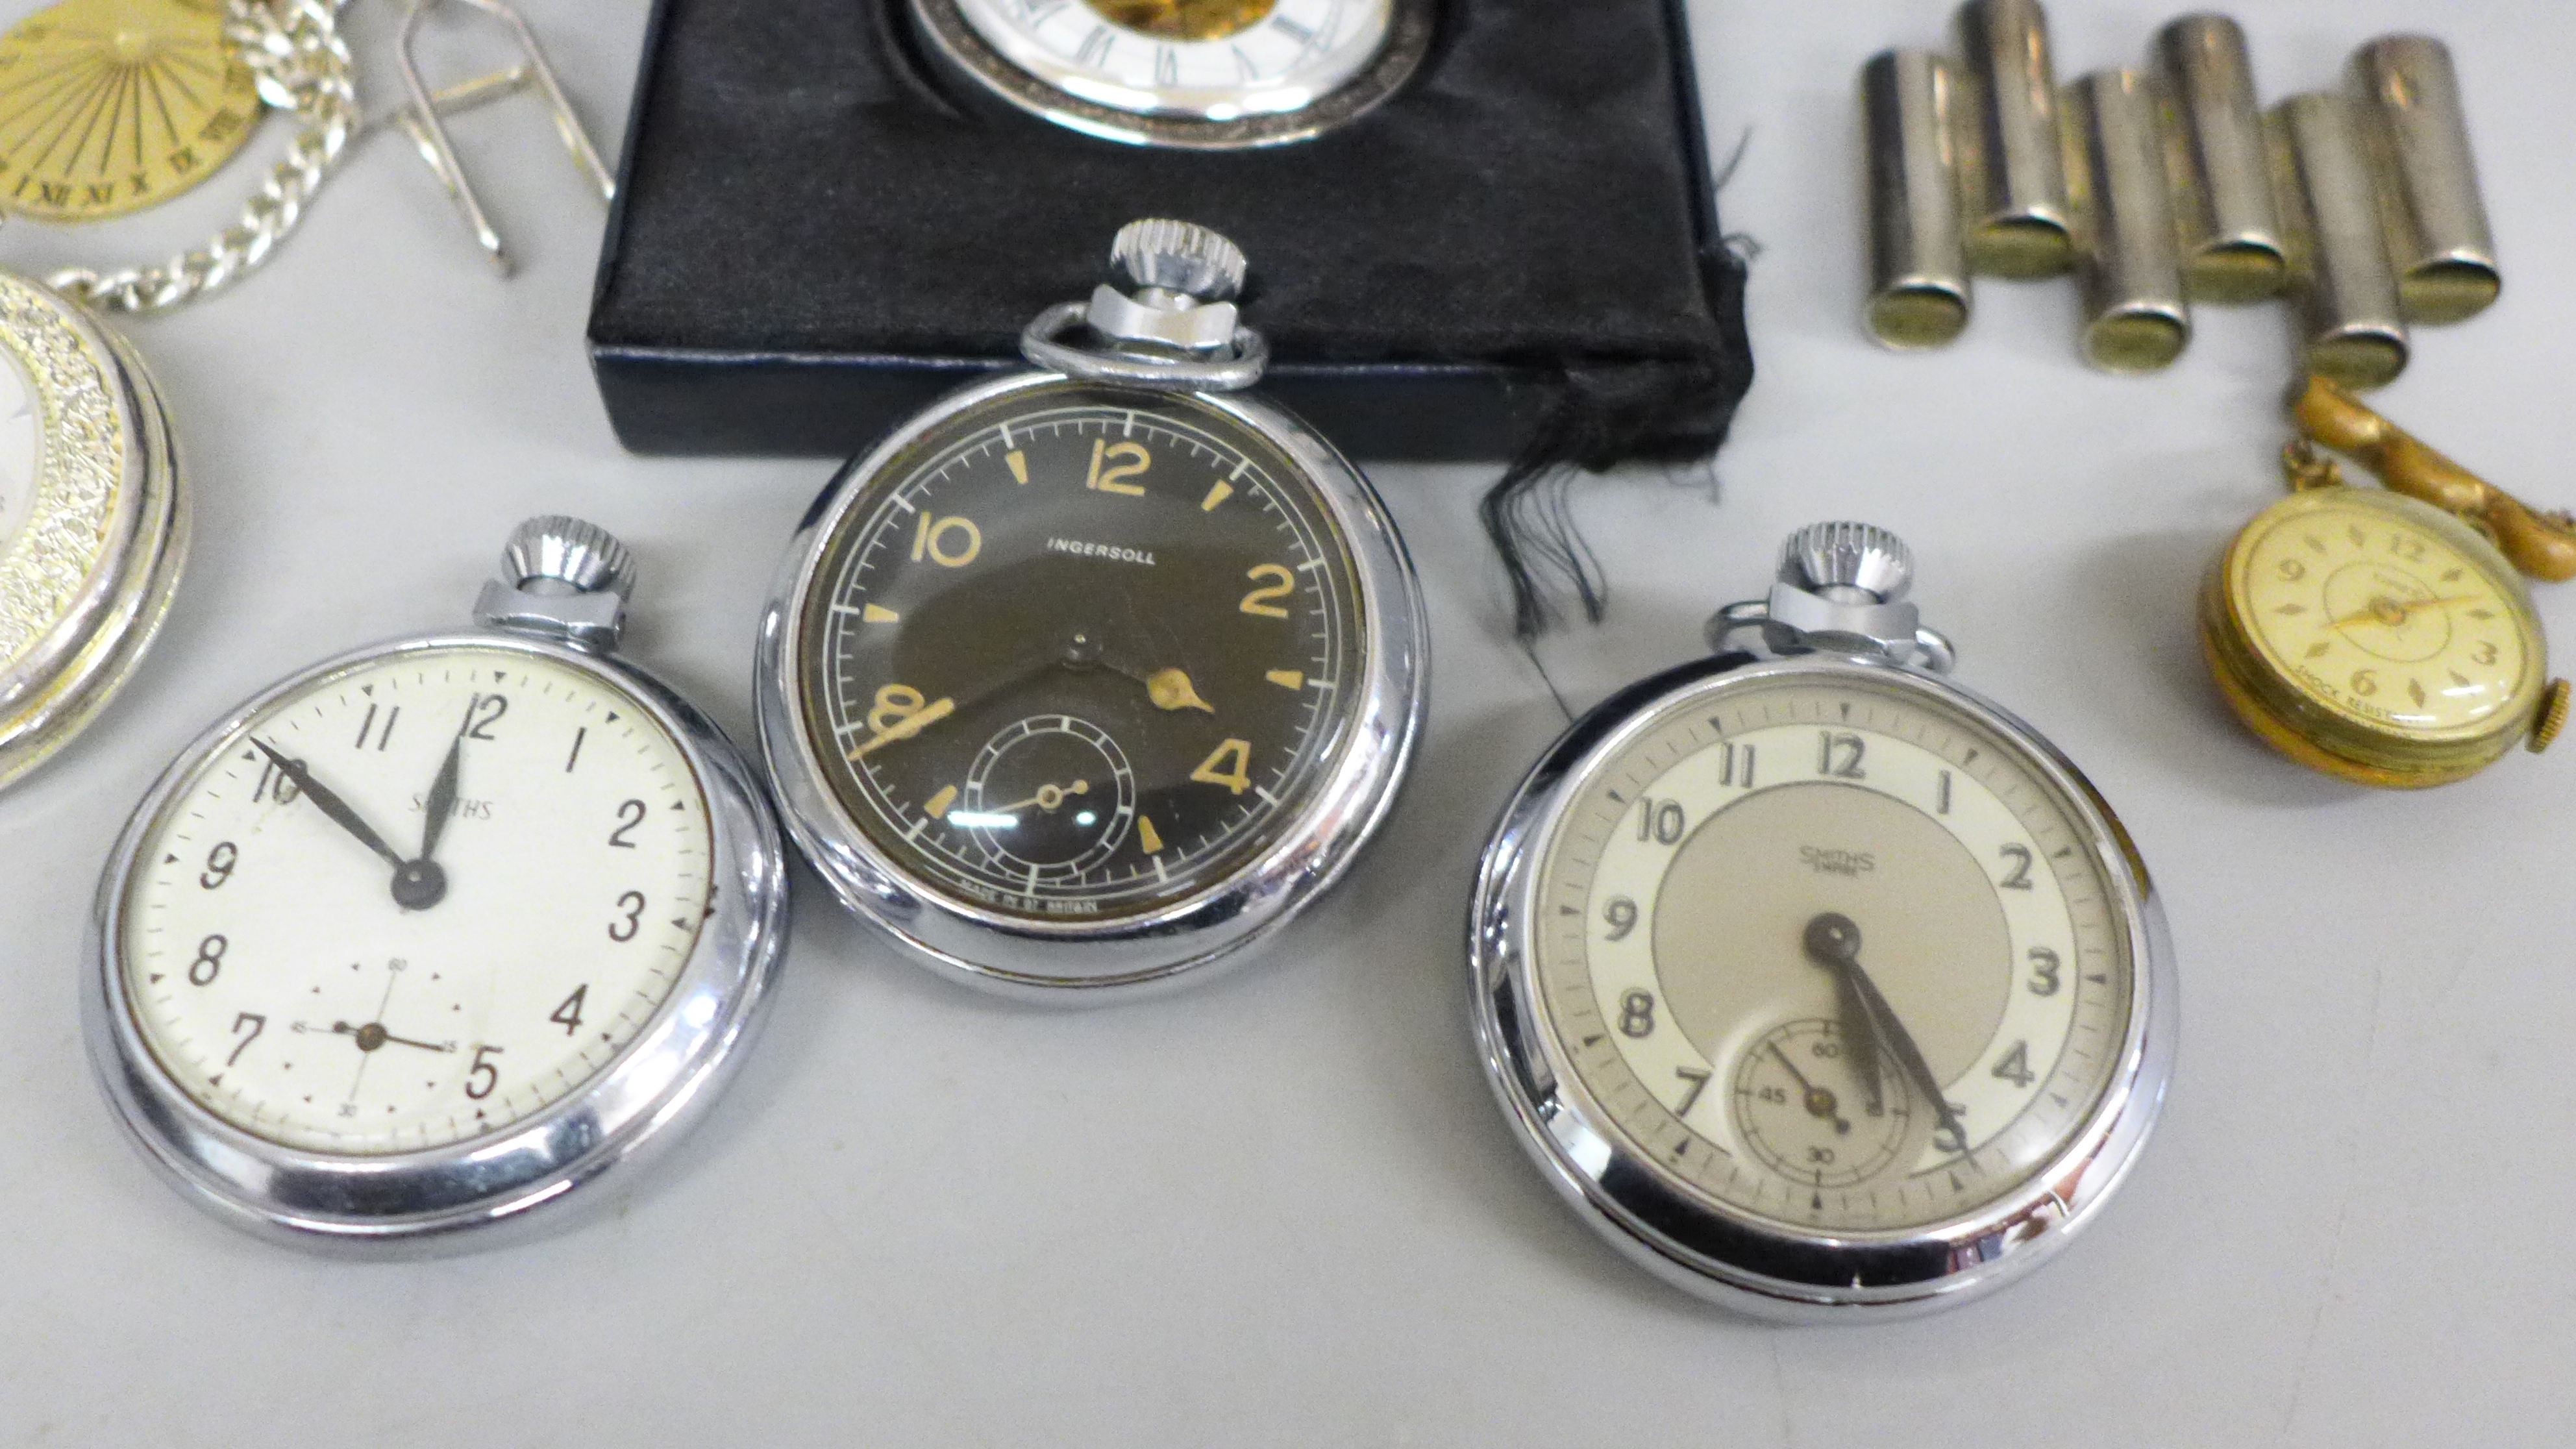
point(1752, 1266)
point(482, 1191)
point(1040, 85)
point(87, 581)
point(1160, 340)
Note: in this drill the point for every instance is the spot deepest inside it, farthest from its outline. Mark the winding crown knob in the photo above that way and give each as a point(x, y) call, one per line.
point(1178, 256)
point(559, 555)
point(1824, 556)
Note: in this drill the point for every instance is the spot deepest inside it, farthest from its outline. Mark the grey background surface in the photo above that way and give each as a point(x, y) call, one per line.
point(1281, 1210)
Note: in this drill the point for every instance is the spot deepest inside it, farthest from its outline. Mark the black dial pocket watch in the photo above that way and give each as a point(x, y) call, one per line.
point(1819, 985)
point(425, 939)
point(1095, 673)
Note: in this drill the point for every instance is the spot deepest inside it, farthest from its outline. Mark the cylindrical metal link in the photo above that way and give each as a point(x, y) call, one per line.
point(2351, 330)
point(2230, 229)
point(2017, 223)
point(2135, 318)
point(1918, 266)
point(2406, 99)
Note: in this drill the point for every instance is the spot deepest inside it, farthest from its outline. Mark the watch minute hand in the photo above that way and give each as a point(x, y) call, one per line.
point(330, 804)
point(442, 800)
point(1835, 941)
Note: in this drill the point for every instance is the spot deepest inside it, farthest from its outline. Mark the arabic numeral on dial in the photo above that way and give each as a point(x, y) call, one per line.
point(631, 814)
point(1774, 1095)
point(219, 864)
point(1839, 756)
point(2044, 966)
point(1661, 821)
point(1621, 913)
point(950, 542)
point(1229, 764)
point(482, 1077)
point(481, 713)
point(1825, 1048)
point(2015, 1067)
point(2017, 878)
point(1637, 1013)
point(2409, 549)
point(1262, 601)
point(2365, 682)
point(2485, 653)
point(568, 1015)
point(894, 704)
point(2292, 570)
point(1952, 1136)
point(1820, 1156)
point(275, 784)
point(632, 903)
point(1698, 1080)
point(1113, 479)
point(257, 1024)
point(209, 962)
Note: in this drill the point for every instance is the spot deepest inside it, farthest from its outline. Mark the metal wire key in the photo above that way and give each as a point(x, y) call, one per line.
point(421, 120)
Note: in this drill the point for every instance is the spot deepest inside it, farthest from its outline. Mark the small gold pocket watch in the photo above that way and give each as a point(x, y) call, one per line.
point(2374, 636)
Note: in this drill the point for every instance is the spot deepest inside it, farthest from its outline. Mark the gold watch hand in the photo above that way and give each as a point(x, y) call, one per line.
point(1048, 797)
point(2404, 609)
point(905, 728)
point(1170, 689)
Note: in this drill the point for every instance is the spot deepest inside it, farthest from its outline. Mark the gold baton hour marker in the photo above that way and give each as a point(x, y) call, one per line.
point(939, 803)
point(1287, 678)
point(1221, 492)
point(878, 614)
point(1147, 836)
point(1019, 462)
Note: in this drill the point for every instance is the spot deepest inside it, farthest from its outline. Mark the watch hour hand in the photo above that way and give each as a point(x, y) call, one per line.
point(1833, 941)
point(330, 804)
point(1170, 689)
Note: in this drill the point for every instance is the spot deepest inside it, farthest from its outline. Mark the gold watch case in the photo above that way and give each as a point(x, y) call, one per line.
point(91, 551)
point(2377, 639)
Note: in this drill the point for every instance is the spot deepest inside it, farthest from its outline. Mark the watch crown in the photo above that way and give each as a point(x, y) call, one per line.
point(1178, 256)
point(2552, 717)
point(556, 555)
point(1824, 556)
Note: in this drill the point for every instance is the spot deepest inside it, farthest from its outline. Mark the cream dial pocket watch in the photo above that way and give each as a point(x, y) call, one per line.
point(1818, 985)
point(431, 936)
point(1206, 74)
point(1094, 674)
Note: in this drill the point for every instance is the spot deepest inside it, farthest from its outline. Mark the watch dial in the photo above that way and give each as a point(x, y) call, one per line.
point(1832, 953)
point(111, 106)
point(22, 451)
point(1080, 653)
point(1214, 59)
point(2378, 608)
point(316, 959)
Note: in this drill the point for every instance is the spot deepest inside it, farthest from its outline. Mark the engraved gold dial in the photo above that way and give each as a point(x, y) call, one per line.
point(110, 106)
point(2375, 637)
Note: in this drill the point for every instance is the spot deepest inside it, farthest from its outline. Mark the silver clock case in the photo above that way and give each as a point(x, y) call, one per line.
point(91, 647)
point(953, 45)
point(487, 1190)
point(1755, 1266)
point(1070, 961)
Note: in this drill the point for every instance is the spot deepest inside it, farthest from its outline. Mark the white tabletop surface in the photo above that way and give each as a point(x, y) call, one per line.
point(1282, 1209)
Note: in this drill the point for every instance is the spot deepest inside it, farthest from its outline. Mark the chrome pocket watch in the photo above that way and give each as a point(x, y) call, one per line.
point(431, 935)
point(93, 521)
point(1818, 985)
point(1094, 674)
point(1206, 74)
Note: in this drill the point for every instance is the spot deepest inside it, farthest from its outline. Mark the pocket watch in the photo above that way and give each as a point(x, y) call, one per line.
point(1207, 74)
point(93, 522)
point(1095, 673)
point(1822, 987)
point(431, 935)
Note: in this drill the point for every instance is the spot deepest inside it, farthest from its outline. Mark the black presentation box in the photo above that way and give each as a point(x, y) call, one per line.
point(812, 240)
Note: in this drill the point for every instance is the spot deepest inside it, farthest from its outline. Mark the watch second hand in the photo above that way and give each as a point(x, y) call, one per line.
point(330, 804)
point(376, 1031)
point(1819, 1102)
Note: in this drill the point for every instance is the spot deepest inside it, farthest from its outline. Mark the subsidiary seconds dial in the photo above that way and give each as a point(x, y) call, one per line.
point(1081, 653)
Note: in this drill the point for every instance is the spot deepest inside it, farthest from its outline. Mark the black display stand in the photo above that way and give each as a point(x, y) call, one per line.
point(812, 239)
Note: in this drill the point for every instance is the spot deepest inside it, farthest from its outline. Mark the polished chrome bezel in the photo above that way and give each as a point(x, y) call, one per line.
point(953, 44)
point(474, 1193)
point(89, 582)
point(1071, 960)
point(1709, 1248)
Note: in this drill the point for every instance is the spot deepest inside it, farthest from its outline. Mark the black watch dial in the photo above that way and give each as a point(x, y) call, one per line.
point(1080, 652)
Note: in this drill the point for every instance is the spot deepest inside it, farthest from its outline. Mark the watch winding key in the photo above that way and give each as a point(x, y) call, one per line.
point(1094, 674)
point(1820, 986)
point(433, 934)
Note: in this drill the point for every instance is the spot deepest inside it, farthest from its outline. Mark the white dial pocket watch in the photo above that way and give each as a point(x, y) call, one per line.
point(1820, 986)
point(433, 934)
point(1094, 674)
point(1209, 74)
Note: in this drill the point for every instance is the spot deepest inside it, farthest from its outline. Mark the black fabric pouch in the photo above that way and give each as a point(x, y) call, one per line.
point(1516, 256)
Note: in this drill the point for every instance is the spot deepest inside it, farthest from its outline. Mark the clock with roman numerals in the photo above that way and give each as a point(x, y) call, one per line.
point(1210, 74)
point(1820, 986)
point(1094, 674)
point(432, 935)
